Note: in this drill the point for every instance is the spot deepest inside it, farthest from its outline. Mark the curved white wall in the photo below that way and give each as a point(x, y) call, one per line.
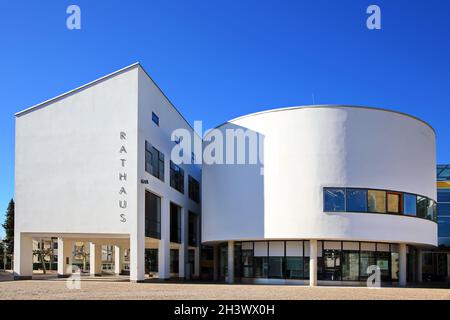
point(306, 149)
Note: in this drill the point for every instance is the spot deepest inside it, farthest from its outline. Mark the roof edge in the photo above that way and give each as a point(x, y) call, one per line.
point(326, 106)
point(70, 92)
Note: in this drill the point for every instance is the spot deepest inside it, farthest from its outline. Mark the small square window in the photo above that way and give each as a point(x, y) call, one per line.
point(155, 118)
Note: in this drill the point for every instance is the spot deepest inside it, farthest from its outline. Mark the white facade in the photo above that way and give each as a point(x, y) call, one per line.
point(82, 175)
point(79, 162)
point(307, 149)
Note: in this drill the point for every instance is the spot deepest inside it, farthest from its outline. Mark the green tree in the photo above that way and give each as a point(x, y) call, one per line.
point(9, 227)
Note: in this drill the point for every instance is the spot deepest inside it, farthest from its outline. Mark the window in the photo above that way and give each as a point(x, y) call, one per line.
point(294, 267)
point(444, 227)
point(174, 260)
point(443, 209)
point(192, 229)
point(176, 177)
point(155, 119)
point(422, 204)
point(376, 201)
point(334, 199)
point(151, 260)
point(410, 203)
point(431, 210)
point(194, 189)
point(394, 202)
point(443, 195)
point(154, 161)
point(261, 267)
point(350, 265)
point(275, 267)
point(152, 215)
point(175, 223)
point(356, 200)
point(367, 258)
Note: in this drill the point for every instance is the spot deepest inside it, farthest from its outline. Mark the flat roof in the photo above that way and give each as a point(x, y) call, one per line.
point(327, 106)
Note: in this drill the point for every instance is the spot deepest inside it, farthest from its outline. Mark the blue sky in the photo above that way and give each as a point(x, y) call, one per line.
point(217, 60)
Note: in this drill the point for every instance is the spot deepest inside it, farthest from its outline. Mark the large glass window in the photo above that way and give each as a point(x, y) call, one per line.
point(350, 265)
point(394, 202)
point(431, 210)
point(247, 260)
point(174, 255)
point(383, 260)
point(176, 177)
point(276, 267)
point(367, 259)
point(422, 205)
point(443, 209)
point(261, 267)
point(175, 223)
point(332, 264)
point(152, 215)
point(151, 260)
point(444, 227)
point(410, 203)
point(443, 195)
point(294, 267)
point(154, 161)
point(334, 199)
point(376, 201)
point(356, 200)
point(194, 189)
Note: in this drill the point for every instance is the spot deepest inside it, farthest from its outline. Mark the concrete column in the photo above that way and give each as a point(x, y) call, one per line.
point(216, 262)
point(23, 257)
point(164, 242)
point(65, 247)
point(182, 259)
point(419, 265)
point(95, 259)
point(312, 263)
point(402, 265)
point(230, 278)
point(118, 259)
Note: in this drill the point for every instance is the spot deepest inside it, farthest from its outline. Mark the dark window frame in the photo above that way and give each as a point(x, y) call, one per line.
point(401, 195)
point(155, 118)
point(176, 177)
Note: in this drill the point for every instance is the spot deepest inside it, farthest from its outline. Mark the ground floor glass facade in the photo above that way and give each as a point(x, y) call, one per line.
point(336, 260)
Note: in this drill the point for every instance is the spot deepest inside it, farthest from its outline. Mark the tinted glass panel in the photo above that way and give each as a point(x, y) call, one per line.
point(443, 209)
point(410, 203)
point(443, 195)
point(350, 265)
point(275, 267)
point(422, 204)
point(334, 199)
point(367, 259)
point(356, 200)
point(261, 267)
point(377, 201)
point(444, 227)
point(294, 267)
point(152, 215)
point(393, 202)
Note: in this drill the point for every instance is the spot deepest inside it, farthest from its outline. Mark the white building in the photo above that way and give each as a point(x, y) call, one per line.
point(339, 189)
point(93, 165)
